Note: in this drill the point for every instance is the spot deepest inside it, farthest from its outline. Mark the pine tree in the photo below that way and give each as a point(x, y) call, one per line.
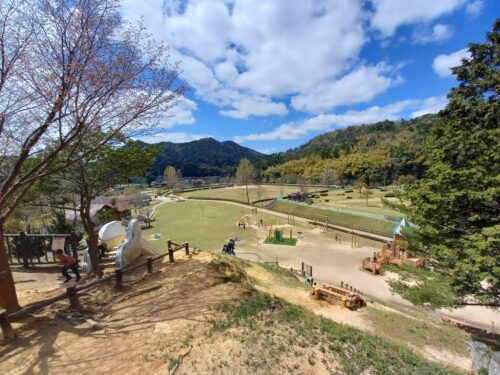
point(456, 205)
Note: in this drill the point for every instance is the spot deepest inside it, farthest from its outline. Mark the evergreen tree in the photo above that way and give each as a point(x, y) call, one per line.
point(456, 205)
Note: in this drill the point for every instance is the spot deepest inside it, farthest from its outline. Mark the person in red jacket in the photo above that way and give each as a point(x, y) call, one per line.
point(67, 263)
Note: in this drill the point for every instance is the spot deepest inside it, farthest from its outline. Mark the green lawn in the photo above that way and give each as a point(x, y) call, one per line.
point(351, 221)
point(238, 193)
point(203, 224)
point(341, 208)
point(353, 201)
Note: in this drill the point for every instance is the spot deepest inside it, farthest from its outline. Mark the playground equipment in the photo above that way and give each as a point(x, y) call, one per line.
point(125, 245)
point(355, 240)
point(392, 252)
point(372, 265)
point(277, 236)
point(339, 296)
point(395, 251)
point(242, 223)
point(320, 221)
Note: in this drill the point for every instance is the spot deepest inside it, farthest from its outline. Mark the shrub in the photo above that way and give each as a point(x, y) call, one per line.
point(324, 194)
point(327, 200)
point(348, 197)
point(390, 195)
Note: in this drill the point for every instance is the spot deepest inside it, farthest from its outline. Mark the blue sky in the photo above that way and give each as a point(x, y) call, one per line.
point(271, 75)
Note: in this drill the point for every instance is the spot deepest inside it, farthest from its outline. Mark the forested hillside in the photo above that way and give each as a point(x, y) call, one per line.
point(379, 153)
point(204, 157)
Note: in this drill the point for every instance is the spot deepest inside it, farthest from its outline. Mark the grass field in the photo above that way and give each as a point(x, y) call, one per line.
point(337, 218)
point(353, 201)
point(203, 224)
point(238, 193)
point(344, 208)
point(276, 330)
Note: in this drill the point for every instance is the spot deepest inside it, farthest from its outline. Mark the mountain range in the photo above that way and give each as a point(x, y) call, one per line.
point(403, 141)
point(204, 157)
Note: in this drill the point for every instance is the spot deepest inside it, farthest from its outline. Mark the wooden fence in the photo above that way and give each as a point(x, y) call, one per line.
point(71, 292)
point(30, 249)
point(306, 270)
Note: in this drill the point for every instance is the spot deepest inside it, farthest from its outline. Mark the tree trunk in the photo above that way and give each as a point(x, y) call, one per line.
point(8, 296)
point(89, 226)
point(246, 190)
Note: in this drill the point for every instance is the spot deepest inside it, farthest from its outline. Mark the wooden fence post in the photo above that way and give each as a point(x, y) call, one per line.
point(74, 245)
point(150, 265)
point(7, 330)
point(303, 273)
point(72, 294)
point(24, 249)
point(341, 284)
point(119, 279)
point(186, 248)
point(170, 251)
point(311, 269)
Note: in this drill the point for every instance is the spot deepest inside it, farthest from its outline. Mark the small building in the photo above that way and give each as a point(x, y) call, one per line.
point(104, 207)
point(298, 197)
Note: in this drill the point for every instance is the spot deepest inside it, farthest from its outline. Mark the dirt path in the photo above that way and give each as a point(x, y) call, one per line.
point(140, 330)
point(269, 283)
point(333, 262)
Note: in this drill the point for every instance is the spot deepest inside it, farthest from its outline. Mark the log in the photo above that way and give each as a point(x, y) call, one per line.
point(150, 265)
point(7, 330)
point(72, 294)
point(119, 279)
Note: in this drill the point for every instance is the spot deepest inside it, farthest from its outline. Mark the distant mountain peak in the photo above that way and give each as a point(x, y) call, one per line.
point(202, 157)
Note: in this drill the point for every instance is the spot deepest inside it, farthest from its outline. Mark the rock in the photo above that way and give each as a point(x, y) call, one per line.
point(162, 328)
point(483, 357)
point(94, 325)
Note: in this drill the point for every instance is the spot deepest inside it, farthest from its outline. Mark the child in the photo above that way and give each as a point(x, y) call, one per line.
point(67, 262)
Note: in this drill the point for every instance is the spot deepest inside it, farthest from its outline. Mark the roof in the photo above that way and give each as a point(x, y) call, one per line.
point(398, 229)
point(98, 204)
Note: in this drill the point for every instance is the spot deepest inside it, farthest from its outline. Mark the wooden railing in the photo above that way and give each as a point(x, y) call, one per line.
point(71, 292)
point(30, 249)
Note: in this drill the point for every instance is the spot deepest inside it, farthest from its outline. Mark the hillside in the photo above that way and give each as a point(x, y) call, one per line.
point(204, 157)
point(215, 315)
point(375, 153)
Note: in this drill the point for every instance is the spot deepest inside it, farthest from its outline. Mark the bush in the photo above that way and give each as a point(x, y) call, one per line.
point(348, 197)
point(348, 191)
point(390, 195)
point(324, 194)
point(327, 200)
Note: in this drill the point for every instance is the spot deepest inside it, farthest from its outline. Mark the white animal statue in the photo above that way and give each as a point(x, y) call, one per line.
point(128, 241)
point(131, 248)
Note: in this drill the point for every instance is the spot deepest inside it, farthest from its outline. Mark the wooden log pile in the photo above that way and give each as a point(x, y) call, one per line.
point(339, 296)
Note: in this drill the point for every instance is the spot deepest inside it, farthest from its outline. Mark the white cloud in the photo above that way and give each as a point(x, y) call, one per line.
point(430, 105)
point(267, 150)
point(175, 137)
point(255, 106)
point(438, 33)
point(442, 64)
point(241, 52)
point(390, 14)
point(359, 86)
point(181, 114)
point(474, 8)
point(394, 111)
